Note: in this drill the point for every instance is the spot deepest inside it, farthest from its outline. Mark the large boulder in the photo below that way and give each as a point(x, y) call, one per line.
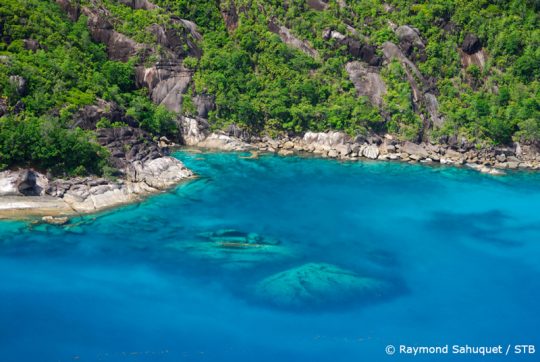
point(288, 38)
point(318, 5)
point(194, 130)
point(316, 285)
point(410, 35)
point(204, 104)
point(166, 82)
point(414, 149)
point(19, 84)
point(367, 82)
point(88, 116)
point(22, 182)
point(411, 43)
point(356, 48)
point(229, 14)
point(326, 140)
point(139, 4)
point(119, 46)
point(471, 44)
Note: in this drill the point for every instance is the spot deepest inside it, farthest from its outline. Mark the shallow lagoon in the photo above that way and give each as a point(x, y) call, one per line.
point(459, 251)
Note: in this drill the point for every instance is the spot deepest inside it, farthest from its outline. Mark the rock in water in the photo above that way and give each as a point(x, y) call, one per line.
point(317, 285)
point(52, 220)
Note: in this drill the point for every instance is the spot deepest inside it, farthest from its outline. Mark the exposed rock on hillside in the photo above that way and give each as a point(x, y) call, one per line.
point(139, 4)
point(229, 14)
point(422, 93)
point(288, 38)
point(355, 48)
point(367, 82)
point(166, 82)
point(88, 116)
point(318, 4)
point(119, 46)
point(411, 43)
point(471, 44)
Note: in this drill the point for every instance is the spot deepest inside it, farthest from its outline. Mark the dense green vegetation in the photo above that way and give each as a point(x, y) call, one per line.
point(264, 85)
point(67, 72)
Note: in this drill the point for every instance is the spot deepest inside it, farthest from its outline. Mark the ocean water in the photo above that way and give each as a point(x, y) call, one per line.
point(458, 251)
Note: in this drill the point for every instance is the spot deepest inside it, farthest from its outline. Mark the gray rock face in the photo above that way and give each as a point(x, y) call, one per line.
point(371, 151)
point(19, 83)
point(31, 44)
point(194, 130)
point(414, 149)
point(166, 83)
point(139, 4)
point(288, 38)
point(356, 48)
point(432, 107)
point(73, 10)
point(411, 43)
point(23, 182)
point(410, 35)
point(367, 82)
point(119, 46)
point(421, 91)
point(204, 103)
point(224, 142)
point(315, 285)
point(471, 44)
point(479, 59)
point(127, 145)
point(88, 116)
point(317, 5)
point(229, 14)
point(326, 140)
point(4, 106)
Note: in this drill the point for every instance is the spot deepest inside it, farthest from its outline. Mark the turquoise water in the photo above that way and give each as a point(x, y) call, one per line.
point(458, 251)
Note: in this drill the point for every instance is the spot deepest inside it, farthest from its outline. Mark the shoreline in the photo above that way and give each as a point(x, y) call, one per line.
point(337, 145)
point(58, 200)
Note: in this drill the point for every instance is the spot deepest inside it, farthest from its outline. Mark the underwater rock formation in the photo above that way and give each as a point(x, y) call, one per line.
point(317, 285)
point(234, 249)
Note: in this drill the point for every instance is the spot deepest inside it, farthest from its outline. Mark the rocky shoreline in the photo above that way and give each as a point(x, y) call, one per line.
point(338, 145)
point(143, 168)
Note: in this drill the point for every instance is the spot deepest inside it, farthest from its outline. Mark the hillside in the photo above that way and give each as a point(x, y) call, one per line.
point(422, 71)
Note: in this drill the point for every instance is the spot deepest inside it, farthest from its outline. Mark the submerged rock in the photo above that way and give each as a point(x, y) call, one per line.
point(233, 249)
point(317, 285)
point(234, 238)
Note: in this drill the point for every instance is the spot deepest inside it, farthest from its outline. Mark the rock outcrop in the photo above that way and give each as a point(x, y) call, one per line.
point(88, 116)
point(230, 15)
point(194, 130)
point(318, 5)
point(471, 44)
point(367, 82)
point(119, 46)
point(422, 93)
point(139, 4)
point(288, 38)
point(411, 43)
point(166, 82)
point(358, 49)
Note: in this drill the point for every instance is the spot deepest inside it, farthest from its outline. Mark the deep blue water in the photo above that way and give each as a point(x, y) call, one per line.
point(460, 252)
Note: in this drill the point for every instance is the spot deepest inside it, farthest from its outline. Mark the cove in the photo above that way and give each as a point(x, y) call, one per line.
point(210, 271)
